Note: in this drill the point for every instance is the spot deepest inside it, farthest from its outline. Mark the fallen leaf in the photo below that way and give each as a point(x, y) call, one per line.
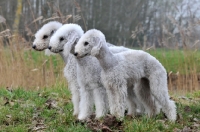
point(176, 130)
point(187, 109)
point(180, 116)
point(9, 89)
point(39, 128)
point(8, 116)
point(196, 125)
point(51, 103)
point(12, 103)
point(106, 129)
point(195, 119)
point(186, 129)
point(111, 121)
point(6, 101)
point(104, 124)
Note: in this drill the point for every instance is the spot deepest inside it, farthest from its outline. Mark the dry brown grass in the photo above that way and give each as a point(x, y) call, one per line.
point(20, 66)
point(183, 83)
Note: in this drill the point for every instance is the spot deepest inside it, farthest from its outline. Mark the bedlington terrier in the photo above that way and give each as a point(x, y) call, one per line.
point(91, 89)
point(43, 35)
point(41, 42)
point(126, 68)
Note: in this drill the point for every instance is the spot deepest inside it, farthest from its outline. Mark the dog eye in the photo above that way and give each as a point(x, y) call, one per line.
point(86, 43)
point(61, 38)
point(45, 36)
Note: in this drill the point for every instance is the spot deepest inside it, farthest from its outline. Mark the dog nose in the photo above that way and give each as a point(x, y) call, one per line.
point(34, 46)
point(75, 53)
point(49, 47)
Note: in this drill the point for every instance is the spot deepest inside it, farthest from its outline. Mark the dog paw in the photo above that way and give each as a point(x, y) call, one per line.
point(82, 117)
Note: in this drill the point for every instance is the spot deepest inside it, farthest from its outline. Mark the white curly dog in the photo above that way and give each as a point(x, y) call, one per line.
point(125, 68)
point(41, 42)
point(91, 90)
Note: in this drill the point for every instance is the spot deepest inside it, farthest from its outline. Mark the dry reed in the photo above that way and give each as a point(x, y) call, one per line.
point(20, 68)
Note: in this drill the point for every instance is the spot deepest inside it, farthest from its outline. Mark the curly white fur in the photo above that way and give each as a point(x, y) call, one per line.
point(43, 35)
point(41, 42)
point(88, 72)
point(125, 68)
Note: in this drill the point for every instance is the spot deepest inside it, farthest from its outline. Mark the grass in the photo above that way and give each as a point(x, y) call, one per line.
point(182, 61)
point(50, 109)
point(26, 68)
point(23, 110)
point(183, 68)
point(30, 69)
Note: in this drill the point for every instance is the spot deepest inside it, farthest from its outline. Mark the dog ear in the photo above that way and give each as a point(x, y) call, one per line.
point(52, 32)
point(73, 41)
point(97, 47)
point(72, 37)
point(73, 47)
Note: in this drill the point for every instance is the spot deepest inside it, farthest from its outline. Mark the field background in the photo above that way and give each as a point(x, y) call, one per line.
point(34, 95)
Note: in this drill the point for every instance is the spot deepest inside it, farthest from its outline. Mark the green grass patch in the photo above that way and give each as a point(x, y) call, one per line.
point(50, 109)
point(23, 110)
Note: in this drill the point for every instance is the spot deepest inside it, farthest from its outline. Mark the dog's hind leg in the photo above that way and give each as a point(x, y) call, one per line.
point(142, 91)
point(132, 102)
